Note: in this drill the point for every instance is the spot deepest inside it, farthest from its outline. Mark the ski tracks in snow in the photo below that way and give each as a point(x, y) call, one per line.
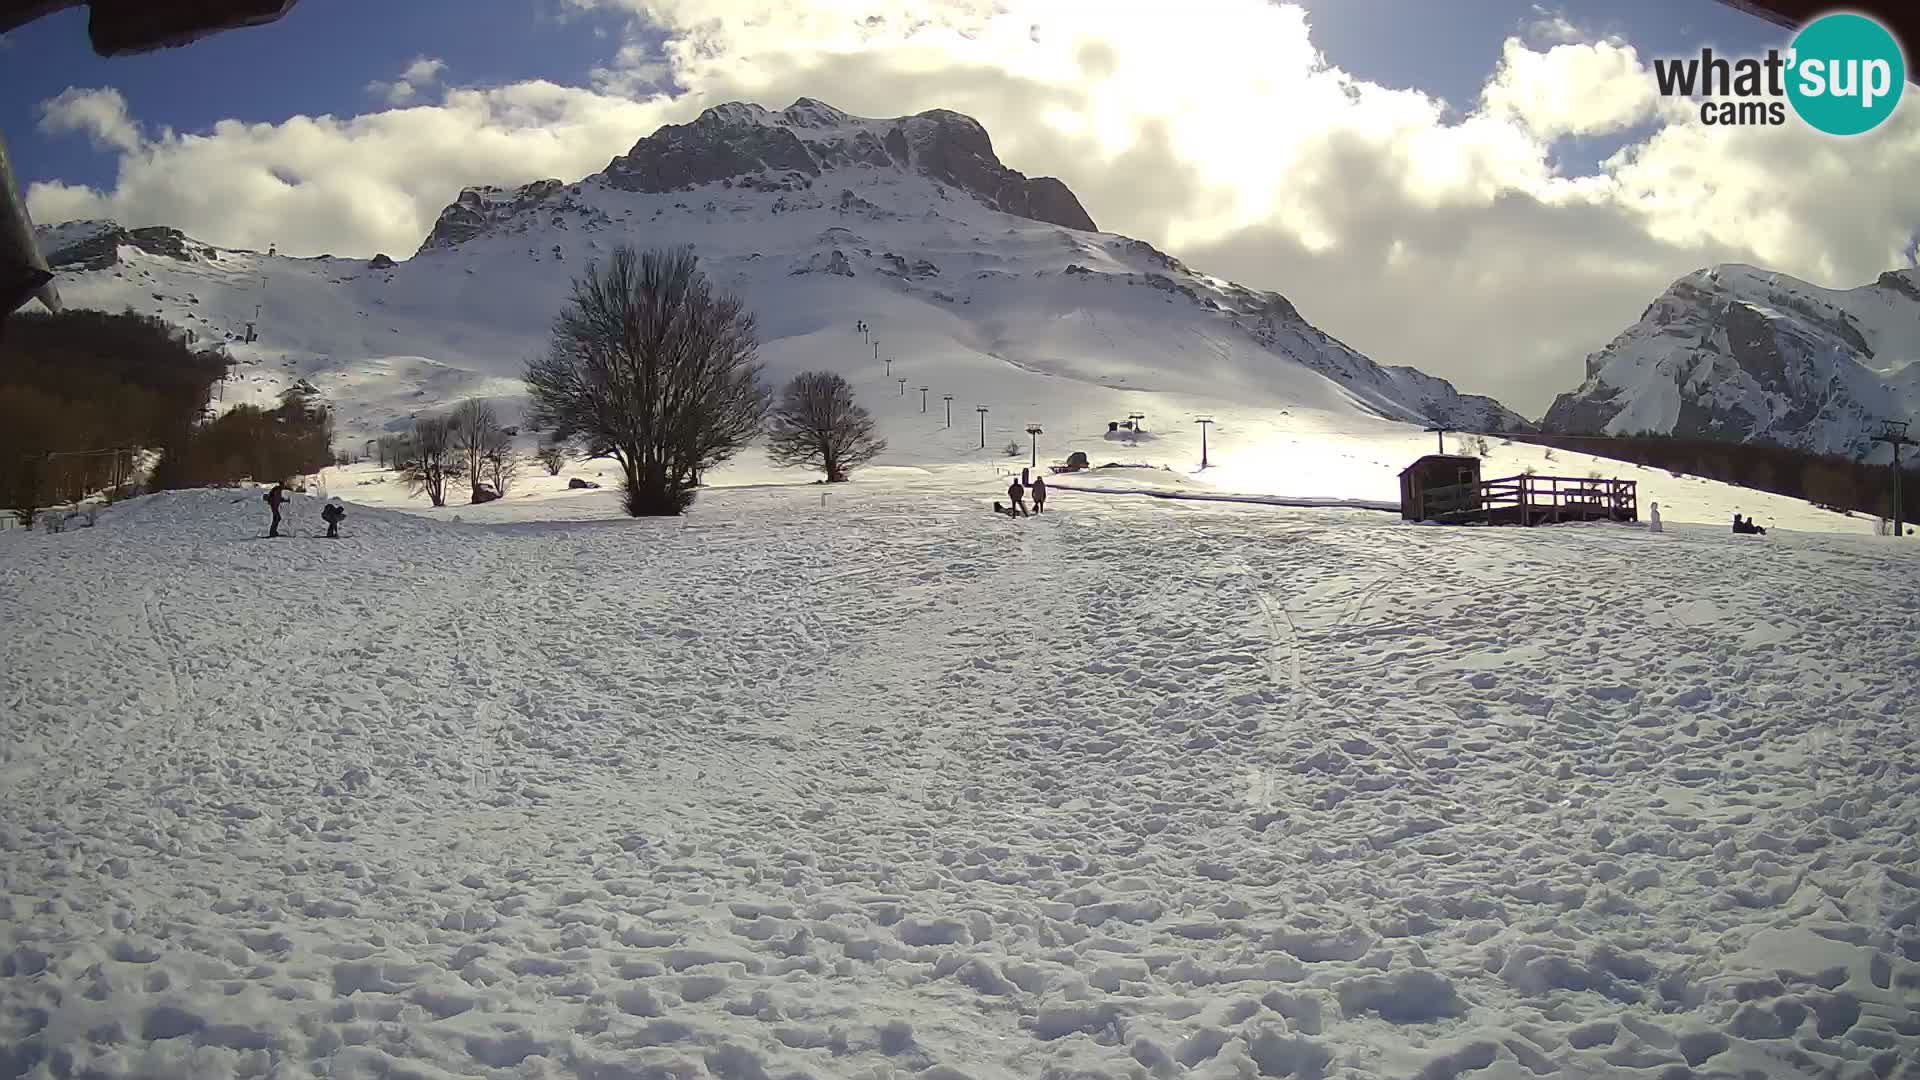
point(906, 789)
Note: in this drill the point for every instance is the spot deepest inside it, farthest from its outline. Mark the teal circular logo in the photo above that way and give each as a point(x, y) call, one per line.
point(1845, 74)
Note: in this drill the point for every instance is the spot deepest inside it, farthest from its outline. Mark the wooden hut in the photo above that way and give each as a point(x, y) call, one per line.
point(1440, 487)
point(1448, 488)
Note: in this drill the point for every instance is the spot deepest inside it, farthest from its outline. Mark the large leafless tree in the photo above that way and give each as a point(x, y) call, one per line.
point(818, 425)
point(473, 428)
point(650, 365)
point(430, 458)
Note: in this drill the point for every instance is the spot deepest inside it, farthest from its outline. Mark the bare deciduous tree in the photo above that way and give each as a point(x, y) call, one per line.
point(430, 458)
point(499, 464)
point(818, 425)
point(650, 366)
point(472, 428)
point(395, 451)
point(553, 456)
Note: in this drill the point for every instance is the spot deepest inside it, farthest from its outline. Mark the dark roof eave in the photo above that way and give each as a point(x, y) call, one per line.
point(119, 27)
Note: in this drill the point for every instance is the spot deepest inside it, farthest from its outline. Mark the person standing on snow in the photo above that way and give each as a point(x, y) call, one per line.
point(1039, 488)
point(1018, 496)
point(332, 515)
point(1653, 523)
point(276, 496)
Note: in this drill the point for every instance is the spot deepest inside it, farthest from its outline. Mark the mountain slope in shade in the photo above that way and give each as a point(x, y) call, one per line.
point(978, 281)
point(1735, 352)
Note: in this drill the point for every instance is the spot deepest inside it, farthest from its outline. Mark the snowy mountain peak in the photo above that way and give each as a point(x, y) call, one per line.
point(801, 143)
point(1744, 353)
point(809, 113)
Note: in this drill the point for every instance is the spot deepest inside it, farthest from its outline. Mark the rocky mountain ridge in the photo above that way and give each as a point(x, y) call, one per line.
point(789, 150)
point(1740, 353)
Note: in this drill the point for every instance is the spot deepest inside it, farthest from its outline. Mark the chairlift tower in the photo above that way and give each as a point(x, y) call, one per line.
point(948, 398)
point(903, 385)
point(1203, 422)
point(923, 399)
point(1894, 433)
point(982, 410)
point(1033, 436)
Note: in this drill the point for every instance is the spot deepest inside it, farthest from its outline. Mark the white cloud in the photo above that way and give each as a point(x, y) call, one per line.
point(1553, 27)
point(1456, 244)
point(424, 69)
point(1575, 89)
point(423, 73)
point(100, 113)
point(355, 186)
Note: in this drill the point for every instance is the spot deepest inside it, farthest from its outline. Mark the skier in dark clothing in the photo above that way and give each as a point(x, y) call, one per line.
point(276, 496)
point(1018, 496)
point(332, 515)
point(1039, 489)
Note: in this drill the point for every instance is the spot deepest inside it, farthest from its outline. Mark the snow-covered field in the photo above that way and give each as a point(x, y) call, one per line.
point(889, 787)
point(1253, 456)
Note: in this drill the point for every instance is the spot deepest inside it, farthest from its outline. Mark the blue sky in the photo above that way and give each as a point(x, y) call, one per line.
point(317, 60)
point(322, 56)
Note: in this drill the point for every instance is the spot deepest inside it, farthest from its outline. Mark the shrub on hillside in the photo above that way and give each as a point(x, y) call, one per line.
point(84, 381)
point(292, 439)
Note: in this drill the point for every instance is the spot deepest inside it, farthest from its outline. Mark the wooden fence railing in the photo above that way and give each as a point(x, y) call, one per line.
point(1537, 500)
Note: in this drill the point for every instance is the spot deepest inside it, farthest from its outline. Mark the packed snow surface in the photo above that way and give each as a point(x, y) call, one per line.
point(873, 783)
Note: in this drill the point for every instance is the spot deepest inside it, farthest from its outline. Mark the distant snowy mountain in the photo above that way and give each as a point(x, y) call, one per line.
point(1740, 353)
point(978, 281)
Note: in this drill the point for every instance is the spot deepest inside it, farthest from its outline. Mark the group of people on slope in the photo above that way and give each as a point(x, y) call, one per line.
point(276, 497)
point(1747, 526)
point(1017, 493)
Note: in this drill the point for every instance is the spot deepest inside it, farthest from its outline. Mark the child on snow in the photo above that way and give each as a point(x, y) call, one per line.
point(332, 515)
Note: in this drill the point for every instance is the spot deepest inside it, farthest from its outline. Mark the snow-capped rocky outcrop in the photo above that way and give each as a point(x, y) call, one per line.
point(810, 137)
point(95, 245)
point(1735, 352)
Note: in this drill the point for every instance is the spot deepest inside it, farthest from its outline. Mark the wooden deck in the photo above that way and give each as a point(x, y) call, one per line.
point(1534, 500)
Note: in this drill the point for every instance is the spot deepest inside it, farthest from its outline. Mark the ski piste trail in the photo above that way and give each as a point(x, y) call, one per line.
point(885, 785)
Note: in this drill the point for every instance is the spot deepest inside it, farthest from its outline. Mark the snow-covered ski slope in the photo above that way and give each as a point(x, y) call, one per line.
point(892, 787)
point(460, 333)
point(1255, 456)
